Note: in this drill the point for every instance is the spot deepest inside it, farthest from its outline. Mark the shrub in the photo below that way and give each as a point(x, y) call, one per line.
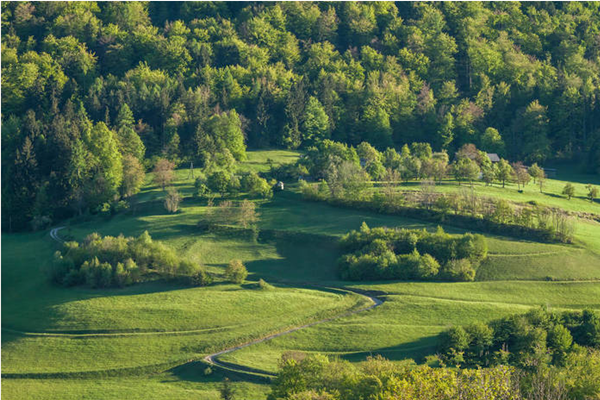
point(382, 253)
point(236, 272)
point(256, 186)
point(459, 270)
point(119, 261)
point(172, 201)
point(201, 278)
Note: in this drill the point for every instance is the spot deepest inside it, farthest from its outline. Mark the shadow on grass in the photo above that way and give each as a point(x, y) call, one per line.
point(416, 350)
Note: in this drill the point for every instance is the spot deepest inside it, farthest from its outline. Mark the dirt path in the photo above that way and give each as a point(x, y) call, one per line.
point(212, 359)
point(54, 234)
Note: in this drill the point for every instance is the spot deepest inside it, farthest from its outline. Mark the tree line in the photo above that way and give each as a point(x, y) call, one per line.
point(318, 377)
point(536, 339)
point(347, 176)
point(88, 88)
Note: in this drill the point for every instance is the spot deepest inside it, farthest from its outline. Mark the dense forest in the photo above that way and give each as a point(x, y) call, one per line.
point(93, 91)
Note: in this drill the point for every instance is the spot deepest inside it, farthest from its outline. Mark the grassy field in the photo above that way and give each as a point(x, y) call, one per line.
point(144, 330)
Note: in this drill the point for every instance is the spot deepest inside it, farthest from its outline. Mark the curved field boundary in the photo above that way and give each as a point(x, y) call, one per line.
point(545, 253)
point(67, 334)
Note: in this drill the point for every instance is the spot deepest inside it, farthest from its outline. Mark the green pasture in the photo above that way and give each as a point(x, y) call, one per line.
point(142, 331)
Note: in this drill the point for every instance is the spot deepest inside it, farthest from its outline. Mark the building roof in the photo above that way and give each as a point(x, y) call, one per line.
point(493, 157)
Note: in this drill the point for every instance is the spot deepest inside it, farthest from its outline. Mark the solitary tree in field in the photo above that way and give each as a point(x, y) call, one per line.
point(592, 192)
point(247, 213)
point(236, 271)
point(466, 169)
point(521, 174)
point(569, 190)
point(541, 180)
point(163, 172)
point(172, 200)
point(535, 172)
point(504, 171)
point(226, 391)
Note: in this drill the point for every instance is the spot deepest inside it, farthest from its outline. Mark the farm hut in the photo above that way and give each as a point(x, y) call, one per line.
point(493, 157)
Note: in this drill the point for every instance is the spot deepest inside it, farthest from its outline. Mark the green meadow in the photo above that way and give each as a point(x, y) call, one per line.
point(148, 340)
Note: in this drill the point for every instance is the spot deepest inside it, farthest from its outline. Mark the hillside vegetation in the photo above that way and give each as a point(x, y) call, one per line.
point(96, 92)
point(300, 200)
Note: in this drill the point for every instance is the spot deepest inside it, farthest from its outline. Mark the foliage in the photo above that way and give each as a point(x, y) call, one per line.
point(256, 186)
point(85, 86)
point(133, 176)
point(569, 190)
point(163, 173)
point(119, 261)
point(172, 200)
point(236, 272)
point(529, 341)
point(380, 253)
point(302, 376)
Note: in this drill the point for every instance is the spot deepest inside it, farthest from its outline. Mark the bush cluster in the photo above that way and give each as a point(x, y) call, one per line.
point(530, 340)
point(314, 376)
point(381, 254)
point(120, 261)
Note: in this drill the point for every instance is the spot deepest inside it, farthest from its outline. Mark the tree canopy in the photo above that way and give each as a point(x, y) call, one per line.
point(85, 84)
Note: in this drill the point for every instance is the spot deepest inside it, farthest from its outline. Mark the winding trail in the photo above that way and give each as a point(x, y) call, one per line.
point(212, 359)
point(54, 234)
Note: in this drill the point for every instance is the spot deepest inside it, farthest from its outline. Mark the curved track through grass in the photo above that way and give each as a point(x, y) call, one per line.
point(212, 359)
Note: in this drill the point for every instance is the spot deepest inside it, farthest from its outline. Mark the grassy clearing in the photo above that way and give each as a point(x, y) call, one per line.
point(144, 324)
point(257, 160)
point(156, 322)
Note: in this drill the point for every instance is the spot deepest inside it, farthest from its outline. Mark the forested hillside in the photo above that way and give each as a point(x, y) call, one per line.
point(93, 91)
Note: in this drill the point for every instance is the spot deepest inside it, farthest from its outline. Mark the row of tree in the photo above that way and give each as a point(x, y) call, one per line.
point(346, 175)
point(103, 262)
point(119, 261)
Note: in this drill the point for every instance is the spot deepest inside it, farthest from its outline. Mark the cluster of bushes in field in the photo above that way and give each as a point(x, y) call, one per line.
point(537, 338)
point(382, 253)
point(120, 261)
point(315, 377)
